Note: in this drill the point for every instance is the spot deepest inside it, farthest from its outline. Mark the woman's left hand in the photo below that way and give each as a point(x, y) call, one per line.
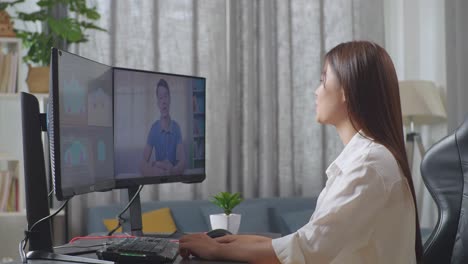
point(199, 245)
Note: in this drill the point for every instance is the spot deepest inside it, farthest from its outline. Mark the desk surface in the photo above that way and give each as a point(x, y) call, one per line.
point(179, 260)
point(89, 246)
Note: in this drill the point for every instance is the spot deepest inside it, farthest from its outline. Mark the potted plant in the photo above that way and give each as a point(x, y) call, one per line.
point(57, 32)
point(226, 220)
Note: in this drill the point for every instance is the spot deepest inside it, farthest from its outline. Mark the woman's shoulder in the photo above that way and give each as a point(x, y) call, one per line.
point(383, 161)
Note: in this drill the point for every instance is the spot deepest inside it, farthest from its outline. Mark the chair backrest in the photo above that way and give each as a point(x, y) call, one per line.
point(444, 170)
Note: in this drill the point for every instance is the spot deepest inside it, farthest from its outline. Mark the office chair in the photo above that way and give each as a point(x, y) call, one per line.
point(444, 170)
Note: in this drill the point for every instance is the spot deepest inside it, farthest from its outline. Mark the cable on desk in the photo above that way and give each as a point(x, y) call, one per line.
point(24, 242)
point(75, 246)
point(120, 219)
point(99, 237)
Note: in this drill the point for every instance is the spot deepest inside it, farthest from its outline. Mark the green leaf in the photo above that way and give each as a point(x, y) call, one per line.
point(66, 28)
point(46, 3)
point(91, 26)
point(40, 15)
point(92, 14)
point(4, 5)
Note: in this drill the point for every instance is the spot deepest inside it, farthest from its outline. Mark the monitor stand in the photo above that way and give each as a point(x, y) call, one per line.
point(135, 225)
point(134, 214)
point(37, 202)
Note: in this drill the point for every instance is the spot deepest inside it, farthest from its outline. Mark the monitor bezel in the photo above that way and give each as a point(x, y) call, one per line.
point(145, 180)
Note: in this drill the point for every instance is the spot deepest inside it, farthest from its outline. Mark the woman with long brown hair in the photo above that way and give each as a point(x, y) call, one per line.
point(367, 212)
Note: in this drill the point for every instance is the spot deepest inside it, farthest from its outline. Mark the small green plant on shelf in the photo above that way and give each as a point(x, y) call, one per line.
point(57, 31)
point(227, 201)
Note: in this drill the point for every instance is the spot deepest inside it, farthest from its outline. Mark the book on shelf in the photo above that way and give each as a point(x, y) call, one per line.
point(13, 78)
point(12, 201)
point(8, 72)
point(5, 185)
point(9, 188)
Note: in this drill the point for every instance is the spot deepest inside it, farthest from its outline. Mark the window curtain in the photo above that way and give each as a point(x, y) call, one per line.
point(262, 62)
point(457, 62)
point(415, 39)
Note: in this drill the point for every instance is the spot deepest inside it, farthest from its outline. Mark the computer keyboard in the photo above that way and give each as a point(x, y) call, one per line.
point(140, 250)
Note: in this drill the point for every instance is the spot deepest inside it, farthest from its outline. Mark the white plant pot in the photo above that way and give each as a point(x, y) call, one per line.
point(229, 222)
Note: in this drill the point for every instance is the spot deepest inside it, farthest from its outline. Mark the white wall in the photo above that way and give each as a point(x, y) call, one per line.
point(415, 39)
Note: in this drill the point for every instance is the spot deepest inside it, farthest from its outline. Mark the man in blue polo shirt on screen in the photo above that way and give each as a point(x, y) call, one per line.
point(165, 138)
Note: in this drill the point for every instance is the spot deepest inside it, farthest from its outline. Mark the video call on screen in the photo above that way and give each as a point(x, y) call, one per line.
point(114, 125)
point(140, 108)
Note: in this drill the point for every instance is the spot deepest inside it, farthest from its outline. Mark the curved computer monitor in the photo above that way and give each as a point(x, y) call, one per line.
point(117, 128)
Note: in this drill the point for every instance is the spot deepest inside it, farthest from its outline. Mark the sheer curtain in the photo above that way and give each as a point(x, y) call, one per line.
point(415, 39)
point(457, 61)
point(262, 62)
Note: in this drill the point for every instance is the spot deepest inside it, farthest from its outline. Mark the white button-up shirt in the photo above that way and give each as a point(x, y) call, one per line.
point(365, 213)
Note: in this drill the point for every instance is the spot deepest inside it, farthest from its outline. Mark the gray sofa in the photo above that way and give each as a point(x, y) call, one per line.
point(263, 215)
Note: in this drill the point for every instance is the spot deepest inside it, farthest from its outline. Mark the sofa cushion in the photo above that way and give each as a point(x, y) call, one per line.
point(284, 205)
point(295, 220)
point(189, 219)
point(186, 213)
point(156, 221)
point(254, 216)
point(97, 214)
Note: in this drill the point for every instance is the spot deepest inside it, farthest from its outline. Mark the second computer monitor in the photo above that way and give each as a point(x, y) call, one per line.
point(159, 127)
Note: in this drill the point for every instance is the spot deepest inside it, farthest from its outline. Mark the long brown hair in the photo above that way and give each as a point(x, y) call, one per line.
point(370, 84)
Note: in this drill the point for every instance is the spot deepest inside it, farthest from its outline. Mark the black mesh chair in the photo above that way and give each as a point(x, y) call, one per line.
point(444, 169)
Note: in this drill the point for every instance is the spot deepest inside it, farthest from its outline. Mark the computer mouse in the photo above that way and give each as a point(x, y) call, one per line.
point(218, 233)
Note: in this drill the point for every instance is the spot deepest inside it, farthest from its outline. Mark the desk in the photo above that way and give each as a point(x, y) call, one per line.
point(178, 260)
point(95, 244)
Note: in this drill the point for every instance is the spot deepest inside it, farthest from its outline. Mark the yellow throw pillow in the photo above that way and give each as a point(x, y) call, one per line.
point(157, 221)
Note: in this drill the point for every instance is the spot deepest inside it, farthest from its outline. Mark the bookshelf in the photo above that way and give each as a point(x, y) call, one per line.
point(11, 167)
point(11, 147)
point(11, 137)
point(11, 152)
point(198, 104)
point(12, 82)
